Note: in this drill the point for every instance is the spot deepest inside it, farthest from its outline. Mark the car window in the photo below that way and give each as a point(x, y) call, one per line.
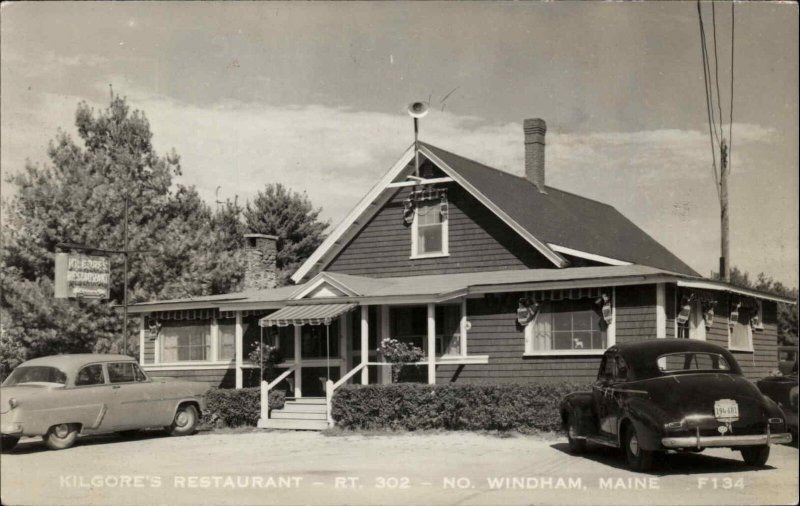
point(622, 369)
point(138, 374)
point(606, 368)
point(121, 372)
point(35, 374)
point(690, 361)
point(90, 375)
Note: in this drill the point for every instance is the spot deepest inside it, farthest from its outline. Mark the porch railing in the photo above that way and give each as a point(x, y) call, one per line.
point(266, 387)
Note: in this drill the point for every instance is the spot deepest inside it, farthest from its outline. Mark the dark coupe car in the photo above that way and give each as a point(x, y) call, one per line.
point(672, 394)
point(783, 389)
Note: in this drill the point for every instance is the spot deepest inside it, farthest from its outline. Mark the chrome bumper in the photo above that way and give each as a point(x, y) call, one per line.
point(11, 429)
point(712, 441)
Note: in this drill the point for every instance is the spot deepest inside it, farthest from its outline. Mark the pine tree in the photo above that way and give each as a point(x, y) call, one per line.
point(291, 217)
point(78, 197)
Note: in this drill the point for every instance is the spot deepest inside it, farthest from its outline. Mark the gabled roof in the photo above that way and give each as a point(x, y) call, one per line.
point(562, 219)
point(553, 222)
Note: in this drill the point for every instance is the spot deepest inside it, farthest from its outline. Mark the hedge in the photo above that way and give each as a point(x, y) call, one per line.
point(409, 406)
point(234, 408)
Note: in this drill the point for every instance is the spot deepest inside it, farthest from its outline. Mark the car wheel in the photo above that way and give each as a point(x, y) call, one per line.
point(755, 455)
point(575, 445)
point(185, 421)
point(8, 443)
point(61, 436)
point(639, 459)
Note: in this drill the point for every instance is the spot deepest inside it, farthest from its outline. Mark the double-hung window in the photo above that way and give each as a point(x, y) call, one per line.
point(740, 335)
point(429, 230)
point(186, 340)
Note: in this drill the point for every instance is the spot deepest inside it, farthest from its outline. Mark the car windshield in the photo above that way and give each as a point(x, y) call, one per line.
point(691, 361)
point(35, 374)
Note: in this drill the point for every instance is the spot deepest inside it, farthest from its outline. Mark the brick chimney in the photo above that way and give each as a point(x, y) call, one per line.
point(260, 253)
point(535, 129)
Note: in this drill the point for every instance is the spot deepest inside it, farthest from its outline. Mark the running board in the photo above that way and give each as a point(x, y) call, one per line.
point(605, 441)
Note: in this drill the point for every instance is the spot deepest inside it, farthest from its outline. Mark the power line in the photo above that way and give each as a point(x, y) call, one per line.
point(716, 68)
point(730, 120)
point(709, 106)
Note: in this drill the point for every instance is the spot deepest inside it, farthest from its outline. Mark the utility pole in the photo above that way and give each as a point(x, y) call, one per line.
point(724, 259)
point(125, 280)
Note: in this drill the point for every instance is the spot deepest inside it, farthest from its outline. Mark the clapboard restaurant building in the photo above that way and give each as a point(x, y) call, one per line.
point(498, 278)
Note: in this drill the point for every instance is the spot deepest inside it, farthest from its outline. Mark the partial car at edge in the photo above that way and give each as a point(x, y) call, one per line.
point(61, 396)
point(672, 394)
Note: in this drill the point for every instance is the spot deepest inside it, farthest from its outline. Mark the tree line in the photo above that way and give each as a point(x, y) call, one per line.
point(78, 197)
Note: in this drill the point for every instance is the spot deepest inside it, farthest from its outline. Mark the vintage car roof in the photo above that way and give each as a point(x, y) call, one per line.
point(642, 356)
point(70, 362)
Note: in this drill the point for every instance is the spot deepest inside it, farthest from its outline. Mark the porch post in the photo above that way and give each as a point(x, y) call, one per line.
point(463, 328)
point(365, 344)
point(141, 339)
point(343, 365)
point(431, 344)
point(298, 359)
point(386, 371)
point(239, 344)
point(661, 313)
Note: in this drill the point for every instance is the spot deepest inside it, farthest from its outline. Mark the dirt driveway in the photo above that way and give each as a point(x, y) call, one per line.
point(311, 468)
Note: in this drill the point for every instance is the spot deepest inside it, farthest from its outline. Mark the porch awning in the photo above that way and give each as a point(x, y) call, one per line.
point(312, 314)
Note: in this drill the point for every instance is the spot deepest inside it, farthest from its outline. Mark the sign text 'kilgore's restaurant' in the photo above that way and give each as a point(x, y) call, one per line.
point(79, 275)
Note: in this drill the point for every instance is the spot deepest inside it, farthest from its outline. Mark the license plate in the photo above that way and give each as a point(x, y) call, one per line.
point(726, 410)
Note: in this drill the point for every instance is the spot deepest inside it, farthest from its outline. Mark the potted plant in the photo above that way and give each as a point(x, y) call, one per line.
point(267, 357)
point(399, 354)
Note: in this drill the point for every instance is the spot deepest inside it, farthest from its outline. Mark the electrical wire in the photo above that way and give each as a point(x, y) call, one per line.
point(716, 69)
point(730, 120)
point(709, 106)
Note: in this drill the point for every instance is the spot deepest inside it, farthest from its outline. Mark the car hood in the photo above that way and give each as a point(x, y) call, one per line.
point(694, 395)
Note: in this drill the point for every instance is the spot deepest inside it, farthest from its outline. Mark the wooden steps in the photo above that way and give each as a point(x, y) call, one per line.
point(306, 413)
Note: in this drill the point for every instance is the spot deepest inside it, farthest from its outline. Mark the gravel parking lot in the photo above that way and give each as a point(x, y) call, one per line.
point(311, 468)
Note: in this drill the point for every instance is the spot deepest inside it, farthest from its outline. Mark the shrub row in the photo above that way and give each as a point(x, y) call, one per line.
point(408, 406)
point(234, 408)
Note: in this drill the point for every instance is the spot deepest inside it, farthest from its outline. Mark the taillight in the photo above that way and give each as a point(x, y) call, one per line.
point(13, 402)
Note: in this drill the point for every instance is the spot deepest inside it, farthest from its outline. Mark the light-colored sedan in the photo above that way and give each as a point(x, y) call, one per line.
point(61, 396)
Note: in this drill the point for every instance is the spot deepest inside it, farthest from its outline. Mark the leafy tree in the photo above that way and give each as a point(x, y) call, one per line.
point(291, 217)
point(787, 313)
point(78, 197)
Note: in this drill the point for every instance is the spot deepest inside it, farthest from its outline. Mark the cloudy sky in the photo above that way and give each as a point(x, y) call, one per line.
point(313, 95)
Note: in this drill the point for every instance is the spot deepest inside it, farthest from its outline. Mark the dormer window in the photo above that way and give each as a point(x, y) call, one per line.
point(429, 230)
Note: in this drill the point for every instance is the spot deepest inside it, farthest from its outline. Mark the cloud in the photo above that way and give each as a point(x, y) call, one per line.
point(661, 179)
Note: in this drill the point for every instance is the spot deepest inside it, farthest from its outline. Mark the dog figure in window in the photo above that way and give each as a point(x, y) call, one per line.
point(577, 344)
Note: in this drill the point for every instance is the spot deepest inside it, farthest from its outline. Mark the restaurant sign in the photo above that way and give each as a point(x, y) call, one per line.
point(82, 276)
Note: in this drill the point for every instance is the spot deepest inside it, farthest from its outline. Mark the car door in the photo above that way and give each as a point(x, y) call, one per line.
point(135, 402)
point(602, 396)
point(90, 398)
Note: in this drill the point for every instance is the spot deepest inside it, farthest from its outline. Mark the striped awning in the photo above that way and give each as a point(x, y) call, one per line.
point(312, 314)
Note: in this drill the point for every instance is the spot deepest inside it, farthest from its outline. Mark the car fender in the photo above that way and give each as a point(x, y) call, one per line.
point(189, 400)
point(580, 404)
point(648, 420)
point(88, 416)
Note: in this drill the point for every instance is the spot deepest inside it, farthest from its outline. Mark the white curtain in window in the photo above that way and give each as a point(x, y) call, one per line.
point(741, 332)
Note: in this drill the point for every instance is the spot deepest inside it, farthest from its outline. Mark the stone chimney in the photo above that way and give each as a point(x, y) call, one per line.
point(260, 253)
point(535, 129)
